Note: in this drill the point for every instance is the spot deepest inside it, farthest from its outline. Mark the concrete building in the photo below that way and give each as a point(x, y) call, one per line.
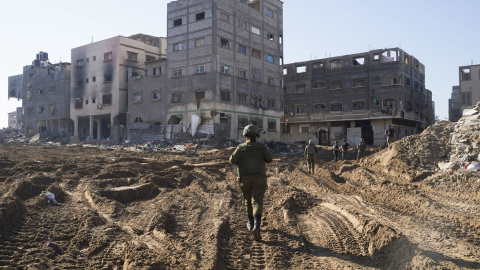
point(469, 82)
point(100, 75)
point(354, 96)
point(223, 70)
point(454, 111)
point(43, 88)
point(12, 119)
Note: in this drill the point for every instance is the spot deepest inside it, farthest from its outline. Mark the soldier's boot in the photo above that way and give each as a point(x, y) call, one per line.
point(256, 228)
point(250, 223)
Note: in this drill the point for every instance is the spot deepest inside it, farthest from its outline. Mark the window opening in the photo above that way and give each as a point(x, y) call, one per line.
point(301, 69)
point(200, 16)
point(177, 22)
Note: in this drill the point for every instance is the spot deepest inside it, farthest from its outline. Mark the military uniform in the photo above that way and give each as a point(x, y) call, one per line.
point(336, 150)
point(345, 147)
point(361, 148)
point(310, 153)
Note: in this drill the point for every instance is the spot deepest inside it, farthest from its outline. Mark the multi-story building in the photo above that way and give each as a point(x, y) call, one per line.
point(354, 96)
point(454, 111)
point(223, 69)
point(43, 88)
point(469, 77)
point(99, 86)
point(12, 119)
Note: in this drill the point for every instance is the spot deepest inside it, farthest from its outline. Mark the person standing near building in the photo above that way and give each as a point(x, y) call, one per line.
point(345, 147)
point(336, 151)
point(361, 146)
point(310, 153)
point(391, 136)
point(250, 158)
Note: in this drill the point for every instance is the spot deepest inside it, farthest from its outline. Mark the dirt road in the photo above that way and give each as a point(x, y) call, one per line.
point(184, 210)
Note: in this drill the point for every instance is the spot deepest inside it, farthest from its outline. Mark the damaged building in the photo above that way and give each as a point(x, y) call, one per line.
point(99, 86)
point(43, 88)
point(355, 96)
point(223, 72)
point(467, 93)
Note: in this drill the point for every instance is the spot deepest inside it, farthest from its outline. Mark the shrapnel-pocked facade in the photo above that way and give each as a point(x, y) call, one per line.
point(355, 96)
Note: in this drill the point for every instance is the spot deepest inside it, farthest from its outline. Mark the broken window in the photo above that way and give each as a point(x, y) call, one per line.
point(199, 95)
point(225, 95)
point(224, 119)
point(225, 69)
point(199, 69)
point(254, 4)
point(138, 119)
point(242, 73)
point(256, 53)
point(107, 56)
point(358, 105)
point(52, 89)
point(86, 101)
point(177, 72)
point(336, 107)
point(407, 59)
point(79, 83)
point(318, 65)
point(376, 57)
point(255, 30)
point(318, 107)
point(224, 43)
point(318, 85)
point(107, 99)
point(242, 121)
point(93, 100)
point(301, 69)
point(280, 61)
point(40, 91)
point(270, 13)
point(177, 47)
point(270, 58)
point(200, 16)
point(300, 109)
point(156, 95)
point(270, 36)
point(176, 97)
point(285, 71)
point(199, 42)
point(137, 97)
point(285, 128)
point(41, 109)
point(224, 17)
point(79, 63)
point(157, 71)
point(78, 103)
point(465, 74)
point(390, 79)
point(132, 56)
point(242, 98)
point(150, 58)
point(177, 22)
point(360, 82)
point(271, 103)
point(107, 78)
point(408, 82)
point(272, 124)
point(52, 109)
point(270, 80)
point(94, 79)
point(256, 77)
point(358, 61)
point(334, 64)
point(334, 85)
point(415, 64)
point(242, 49)
point(301, 89)
point(466, 99)
point(257, 122)
point(389, 56)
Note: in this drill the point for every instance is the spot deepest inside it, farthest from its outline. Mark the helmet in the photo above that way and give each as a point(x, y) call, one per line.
point(251, 129)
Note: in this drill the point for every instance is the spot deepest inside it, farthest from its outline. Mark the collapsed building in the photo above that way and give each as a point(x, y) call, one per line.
point(355, 96)
point(466, 94)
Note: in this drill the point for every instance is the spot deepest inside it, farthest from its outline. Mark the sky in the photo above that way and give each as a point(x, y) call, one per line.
point(441, 34)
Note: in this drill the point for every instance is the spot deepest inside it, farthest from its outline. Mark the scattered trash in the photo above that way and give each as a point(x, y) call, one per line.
point(473, 166)
point(50, 197)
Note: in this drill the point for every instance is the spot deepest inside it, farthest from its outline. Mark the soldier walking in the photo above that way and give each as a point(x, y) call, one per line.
point(336, 151)
point(345, 147)
point(361, 146)
point(310, 153)
point(250, 158)
point(391, 136)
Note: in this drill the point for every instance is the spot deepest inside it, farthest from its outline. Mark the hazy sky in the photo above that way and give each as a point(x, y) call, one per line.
point(442, 34)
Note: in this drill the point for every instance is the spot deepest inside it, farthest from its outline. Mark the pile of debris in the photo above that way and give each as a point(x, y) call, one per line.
point(465, 138)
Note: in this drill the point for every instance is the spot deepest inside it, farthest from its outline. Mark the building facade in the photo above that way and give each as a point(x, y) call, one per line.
point(99, 85)
point(469, 83)
point(224, 66)
point(454, 111)
point(355, 96)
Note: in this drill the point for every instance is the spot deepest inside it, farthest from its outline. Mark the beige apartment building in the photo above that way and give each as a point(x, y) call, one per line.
point(469, 82)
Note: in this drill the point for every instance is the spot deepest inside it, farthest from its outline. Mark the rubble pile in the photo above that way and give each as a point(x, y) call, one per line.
point(465, 139)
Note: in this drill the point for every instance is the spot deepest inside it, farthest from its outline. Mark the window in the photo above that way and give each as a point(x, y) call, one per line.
point(304, 129)
point(256, 53)
point(94, 99)
point(242, 98)
point(107, 99)
point(318, 85)
point(242, 48)
point(88, 60)
point(107, 56)
point(199, 95)
point(156, 95)
point(272, 125)
point(336, 107)
point(301, 89)
point(270, 80)
point(225, 95)
point(358, 105)
point(199, 42)
point(334, 64)
point(137, 98)
point(359, 82)
point(318, 108)
point(200, 16)
point(40, 91)
point(270, 58)
point(78, 103)
point(300, 109)
point(255, 30)
point(301, 69)
point(132, 56)
point(52, 108)
point(150, 58)
point(242, 121)
point(79, 63)
point(242, 73)
point(256, 77)
point(86, 80)
point(94, 79)
point(466, 100)
point(407, 59)
point(280, 39)
point(52, 89)
point(176, 97)
point(389, 56)
point(157, 71)
point(465, 74)
point(376, 57)
point(41, 109)
point(270, 13)
point(94, 58)
point(86, 101)
point(270, 37)
point(136, 75)
point(177, 73)
point(224, 43)
point(177, 47)
point(224, 69)
point(285, 71)
point(107, 78)
point(242, 24)
point(280, 61)
point(376, 79)
point(199, 69)
point(224, 17)
point(79, 83)
point(257, 122)
point(336, 85)
point(285, 129)
point(408, 82)
point(390, 79)
point(271, 103)
point(177, 22)
point(358, 61)
point(318, 65)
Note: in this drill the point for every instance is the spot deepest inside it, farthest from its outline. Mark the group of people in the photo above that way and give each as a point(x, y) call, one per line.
point(250, 158)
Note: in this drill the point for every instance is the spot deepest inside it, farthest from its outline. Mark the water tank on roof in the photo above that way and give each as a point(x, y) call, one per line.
point(43, 56)
point(36, 63)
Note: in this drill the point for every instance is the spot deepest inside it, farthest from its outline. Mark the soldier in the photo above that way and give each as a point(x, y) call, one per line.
point(391, 136)
point(310, 153)
point(250, 158)
point(336, 150)
point(361, 146)
point(345, 147)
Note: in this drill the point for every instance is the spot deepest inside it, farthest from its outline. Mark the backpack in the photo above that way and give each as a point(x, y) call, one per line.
point(390, 132)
